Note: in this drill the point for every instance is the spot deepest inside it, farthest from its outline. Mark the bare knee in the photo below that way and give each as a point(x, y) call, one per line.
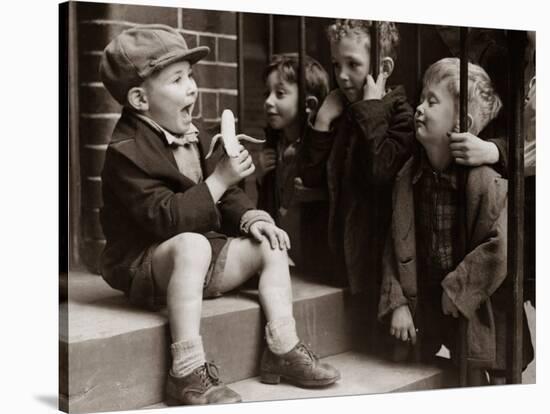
point(190, 249)
point(183, 259)
point(272, 257)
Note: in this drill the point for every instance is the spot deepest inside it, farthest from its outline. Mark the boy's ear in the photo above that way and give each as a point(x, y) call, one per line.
point(469, 120)
point(470, 123)
point(312, 104)
point(137, 99)
point(386, 66)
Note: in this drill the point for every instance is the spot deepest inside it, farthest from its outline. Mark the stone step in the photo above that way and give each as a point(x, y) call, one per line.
point(115, 357)
point(361, 374)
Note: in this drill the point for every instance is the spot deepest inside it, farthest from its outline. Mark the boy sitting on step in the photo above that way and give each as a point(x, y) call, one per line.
point(176, 234)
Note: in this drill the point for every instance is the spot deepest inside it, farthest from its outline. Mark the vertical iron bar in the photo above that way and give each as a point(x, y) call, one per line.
point(270, 37)
point(240, 80)
point(418, 77)
point(463, 79)
point(302, 77)
point(375, 49)
point(75, 186)
point(516, 199)
point(463, 323)
point(240, 71)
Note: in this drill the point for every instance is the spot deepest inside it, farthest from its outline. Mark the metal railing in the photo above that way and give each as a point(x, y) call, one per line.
point(514, 101)
point(516, 45)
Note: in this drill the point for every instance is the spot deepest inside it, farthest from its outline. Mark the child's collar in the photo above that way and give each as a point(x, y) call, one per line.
point(191, 136)
point(422, 165)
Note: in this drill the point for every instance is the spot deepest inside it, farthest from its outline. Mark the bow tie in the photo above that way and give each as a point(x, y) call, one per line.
point(184, 139)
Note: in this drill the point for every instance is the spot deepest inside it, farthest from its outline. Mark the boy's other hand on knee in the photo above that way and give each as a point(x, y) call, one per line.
point(332, 108)
point(402, 325)
point(276, 237)
point(447, 305)
point(467, 149)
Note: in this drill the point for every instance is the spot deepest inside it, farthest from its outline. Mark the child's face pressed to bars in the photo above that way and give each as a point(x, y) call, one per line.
point(351, 62)
point(171, 95)
point(436, 114)
point(281, 101)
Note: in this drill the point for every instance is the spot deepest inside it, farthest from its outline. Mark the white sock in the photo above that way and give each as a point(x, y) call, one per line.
point(187, 356)
point(281, 336)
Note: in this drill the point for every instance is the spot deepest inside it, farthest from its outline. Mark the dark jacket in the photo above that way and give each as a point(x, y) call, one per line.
point(147, 200)
point(270, 198)
point(357, 161)
point(477, 277)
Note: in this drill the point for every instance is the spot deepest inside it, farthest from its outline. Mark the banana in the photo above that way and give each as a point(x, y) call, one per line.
point(228, 138)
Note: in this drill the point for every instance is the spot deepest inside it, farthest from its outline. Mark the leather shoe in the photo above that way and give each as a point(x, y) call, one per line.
point(300, 366)
point(202, 386)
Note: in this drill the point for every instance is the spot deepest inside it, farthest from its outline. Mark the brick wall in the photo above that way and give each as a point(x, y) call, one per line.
point(97, 24)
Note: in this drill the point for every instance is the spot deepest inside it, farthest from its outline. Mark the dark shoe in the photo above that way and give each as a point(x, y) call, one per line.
point(300, 366)
point(202, 386)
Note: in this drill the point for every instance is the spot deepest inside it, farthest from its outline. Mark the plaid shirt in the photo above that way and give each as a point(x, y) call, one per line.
point(436, 206)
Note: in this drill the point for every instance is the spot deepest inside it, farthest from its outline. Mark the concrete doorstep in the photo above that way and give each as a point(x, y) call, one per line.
point(115, 357)
point(361, 374)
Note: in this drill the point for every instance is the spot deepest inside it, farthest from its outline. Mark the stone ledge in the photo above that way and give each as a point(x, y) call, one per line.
point(115, 357)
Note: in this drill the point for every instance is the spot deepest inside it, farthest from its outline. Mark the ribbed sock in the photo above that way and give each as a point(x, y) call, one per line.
point(281, 336)
point(187, 356)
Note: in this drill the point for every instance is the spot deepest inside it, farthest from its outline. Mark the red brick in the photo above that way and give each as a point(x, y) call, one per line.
point(211, 76)
point(95, 36)
point(197, 108)
point(223, 22)
point(97, 100)
point(91, 225)
point(92, 161)
point(190, 39)
point(209, 104)
point(91, 194)
point(209, 41)
point(227, 50)
point(128, 12)
point(88, 68)
point(88, 11)
point(96, 130)
point(228, 102)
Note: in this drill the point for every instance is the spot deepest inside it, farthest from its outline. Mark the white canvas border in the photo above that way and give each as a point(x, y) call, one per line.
point(29, 163)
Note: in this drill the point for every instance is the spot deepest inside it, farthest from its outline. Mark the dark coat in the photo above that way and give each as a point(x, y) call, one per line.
point(357, 161)
point(268, 188)
point(477, 277)
point(147, 200)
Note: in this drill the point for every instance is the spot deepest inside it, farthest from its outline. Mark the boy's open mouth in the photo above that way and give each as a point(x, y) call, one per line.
point(187, 109)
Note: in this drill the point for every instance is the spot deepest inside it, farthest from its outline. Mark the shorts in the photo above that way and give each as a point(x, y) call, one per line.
point(143, 291)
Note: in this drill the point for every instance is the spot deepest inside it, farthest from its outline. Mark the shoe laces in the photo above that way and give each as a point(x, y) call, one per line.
point(209, 375)
point(306, 351)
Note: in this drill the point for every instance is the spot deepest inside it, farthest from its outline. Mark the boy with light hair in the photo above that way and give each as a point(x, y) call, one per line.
point(441, 262)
